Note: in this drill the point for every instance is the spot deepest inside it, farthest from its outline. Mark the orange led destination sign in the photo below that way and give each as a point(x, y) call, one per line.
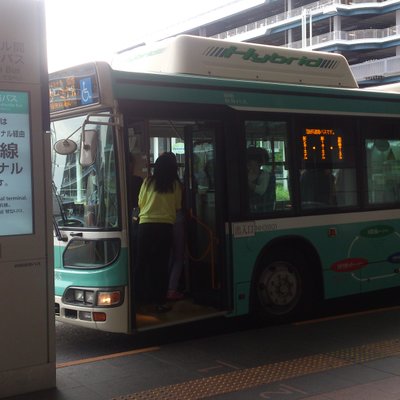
point(72, 92)
point(322, 145)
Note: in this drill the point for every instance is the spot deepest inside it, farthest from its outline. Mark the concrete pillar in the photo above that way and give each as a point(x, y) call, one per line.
point(337, 26)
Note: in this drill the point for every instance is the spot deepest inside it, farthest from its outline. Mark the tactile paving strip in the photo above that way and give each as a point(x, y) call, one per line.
point(269, 373)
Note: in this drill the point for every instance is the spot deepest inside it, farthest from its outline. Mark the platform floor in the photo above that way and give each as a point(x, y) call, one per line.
point(353, 357)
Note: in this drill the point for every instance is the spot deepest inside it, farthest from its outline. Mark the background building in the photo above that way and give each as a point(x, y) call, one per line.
point(366, 32)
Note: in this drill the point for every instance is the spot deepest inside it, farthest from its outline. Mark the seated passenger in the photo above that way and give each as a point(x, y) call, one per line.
point(261, 183)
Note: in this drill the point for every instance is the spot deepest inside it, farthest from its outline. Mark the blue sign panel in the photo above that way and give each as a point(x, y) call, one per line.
point(86, 91)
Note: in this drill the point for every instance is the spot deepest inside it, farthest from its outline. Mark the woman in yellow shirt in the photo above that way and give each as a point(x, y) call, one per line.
point(159, 199)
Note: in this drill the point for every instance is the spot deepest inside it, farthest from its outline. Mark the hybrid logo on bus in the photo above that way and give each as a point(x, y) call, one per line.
point(274, 58)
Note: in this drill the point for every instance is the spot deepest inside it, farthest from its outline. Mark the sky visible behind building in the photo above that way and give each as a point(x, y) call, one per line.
point(86, 30)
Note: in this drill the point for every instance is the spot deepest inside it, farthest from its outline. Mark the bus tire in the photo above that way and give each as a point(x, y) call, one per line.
point(282, 288)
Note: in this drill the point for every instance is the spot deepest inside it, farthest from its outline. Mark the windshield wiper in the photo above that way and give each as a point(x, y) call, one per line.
point(57, 203)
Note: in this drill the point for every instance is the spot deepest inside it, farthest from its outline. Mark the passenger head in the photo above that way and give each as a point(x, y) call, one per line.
point(165, 173)
point(256, 156)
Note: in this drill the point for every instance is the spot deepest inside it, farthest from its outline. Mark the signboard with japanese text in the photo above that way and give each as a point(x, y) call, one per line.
point(15, 164)
point(18, 48)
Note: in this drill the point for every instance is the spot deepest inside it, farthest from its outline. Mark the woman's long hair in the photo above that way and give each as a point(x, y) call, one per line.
point(165, 173)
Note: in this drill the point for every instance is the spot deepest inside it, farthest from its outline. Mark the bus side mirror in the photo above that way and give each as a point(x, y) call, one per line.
point(65, 147)
point(88, 147)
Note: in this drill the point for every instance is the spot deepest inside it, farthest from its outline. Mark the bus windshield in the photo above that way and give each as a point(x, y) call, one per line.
point(85, 195)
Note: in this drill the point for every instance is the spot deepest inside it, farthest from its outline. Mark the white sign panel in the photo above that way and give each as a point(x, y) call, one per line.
point(20, 41)
point(16, 214)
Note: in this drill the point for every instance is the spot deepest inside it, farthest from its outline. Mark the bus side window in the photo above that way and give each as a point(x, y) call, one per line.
point(327, 164)
point(268, 175)
point(261, 182)
point(346, 187)
point(383, 170)
point(317, 188)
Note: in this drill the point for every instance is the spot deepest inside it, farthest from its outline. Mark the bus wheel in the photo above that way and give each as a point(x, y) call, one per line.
point(281, 291)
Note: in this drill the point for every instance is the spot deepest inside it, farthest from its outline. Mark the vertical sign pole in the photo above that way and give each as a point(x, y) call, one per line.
point(27, 344)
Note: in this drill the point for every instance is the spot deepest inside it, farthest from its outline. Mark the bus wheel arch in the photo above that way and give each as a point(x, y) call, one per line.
point(287, 280)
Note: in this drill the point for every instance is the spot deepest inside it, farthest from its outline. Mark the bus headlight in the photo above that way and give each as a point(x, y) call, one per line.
point(77, 296)
point(89, 297)
point(109, 298)
point(94, 297)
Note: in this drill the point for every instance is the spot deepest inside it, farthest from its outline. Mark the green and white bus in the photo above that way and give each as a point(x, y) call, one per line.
point(329, 226)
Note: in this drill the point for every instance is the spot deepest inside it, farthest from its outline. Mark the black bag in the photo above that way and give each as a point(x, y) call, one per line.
point(135, 215)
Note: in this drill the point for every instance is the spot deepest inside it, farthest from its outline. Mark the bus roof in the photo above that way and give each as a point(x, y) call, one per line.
point(389, 88)
point(196, 55)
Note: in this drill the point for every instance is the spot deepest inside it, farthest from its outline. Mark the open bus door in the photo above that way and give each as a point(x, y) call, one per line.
point(194, 143)
point(204, 232)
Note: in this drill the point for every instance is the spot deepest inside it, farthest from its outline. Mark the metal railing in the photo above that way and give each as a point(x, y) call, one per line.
point(288, 16)
point(321, 41)
point(277, 19)
point(374, 69)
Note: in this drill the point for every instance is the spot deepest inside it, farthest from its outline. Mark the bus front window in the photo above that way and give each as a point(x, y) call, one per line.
point(86, 195)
